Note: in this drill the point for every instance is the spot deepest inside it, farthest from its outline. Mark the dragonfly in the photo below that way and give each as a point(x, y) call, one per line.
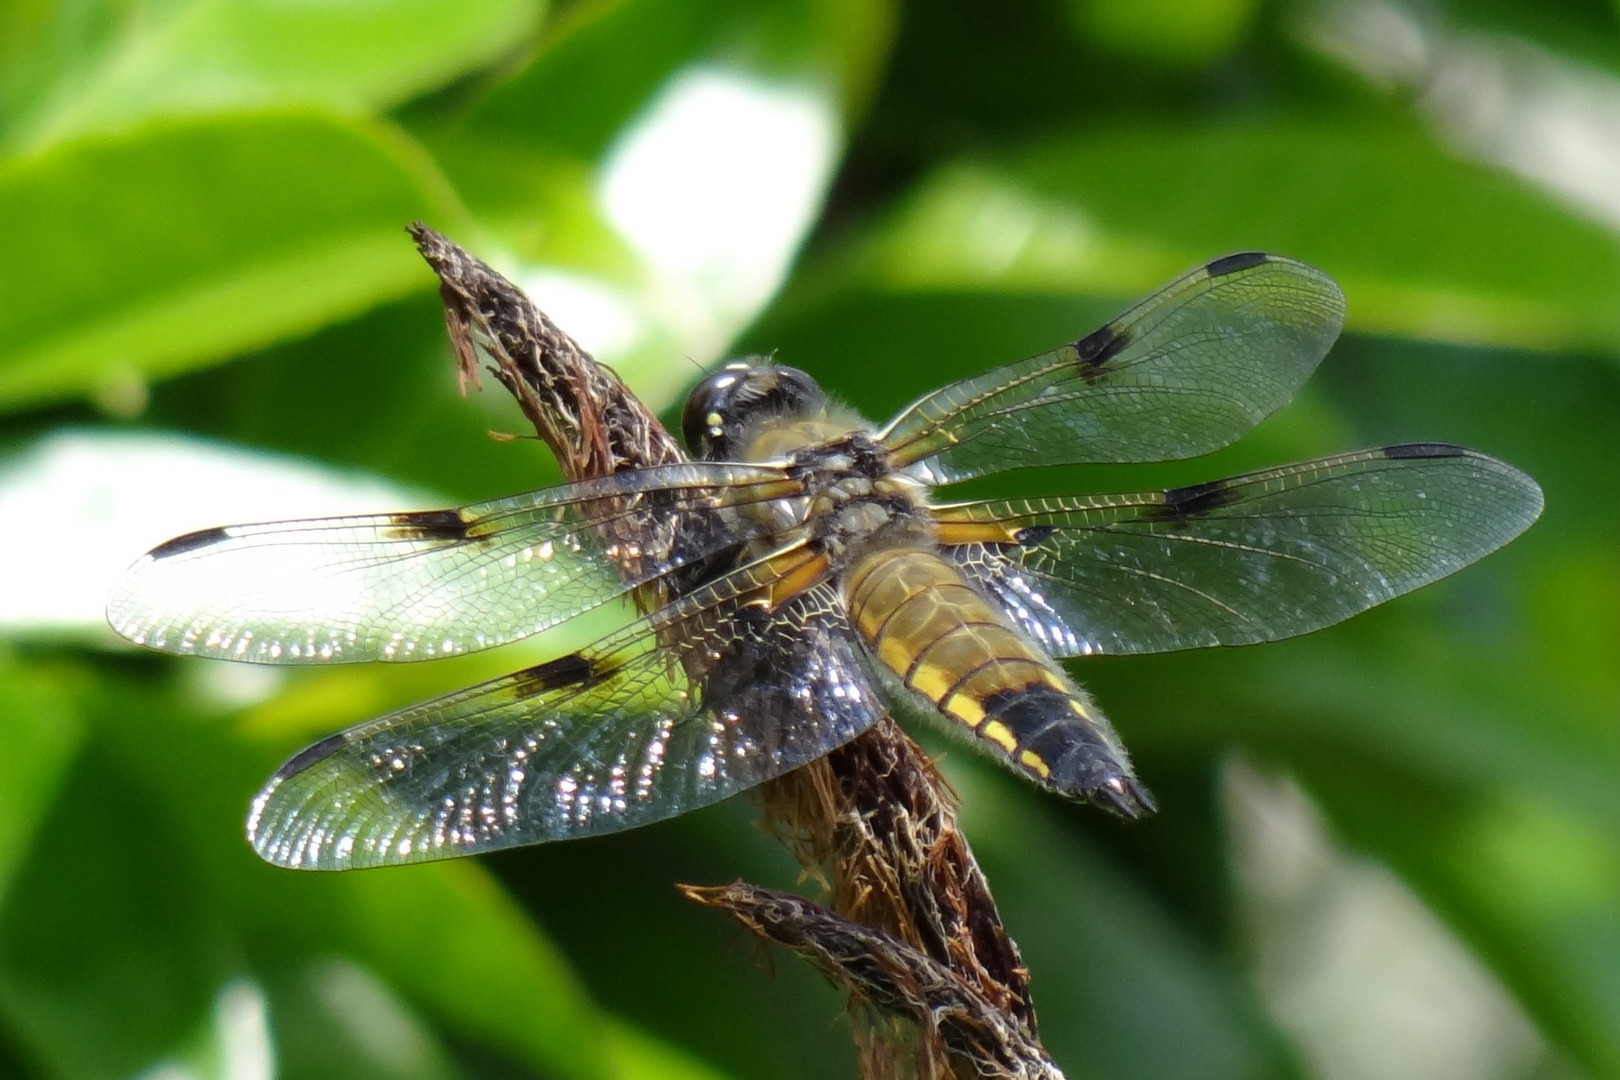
point(801, 573)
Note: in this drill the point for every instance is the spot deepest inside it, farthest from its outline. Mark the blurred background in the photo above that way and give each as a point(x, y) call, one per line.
point(1388, 850)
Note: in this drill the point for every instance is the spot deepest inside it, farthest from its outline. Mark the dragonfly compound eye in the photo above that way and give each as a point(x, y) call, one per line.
point(739, 398)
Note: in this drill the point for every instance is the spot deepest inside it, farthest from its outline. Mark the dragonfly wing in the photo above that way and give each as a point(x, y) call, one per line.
point(1187, 371)
point(419, 585)
point(1258, 557)
point(705, 698)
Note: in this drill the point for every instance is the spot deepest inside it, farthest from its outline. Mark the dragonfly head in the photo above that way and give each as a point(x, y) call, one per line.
point(727, 408)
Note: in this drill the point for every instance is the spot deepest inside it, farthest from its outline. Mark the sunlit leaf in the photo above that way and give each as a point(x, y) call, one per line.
point(1424, 244)
point(625, 50)
point(642, 262)
point(1165, 32)
point(137, 255)
point(638, 1057)
point(208, 55)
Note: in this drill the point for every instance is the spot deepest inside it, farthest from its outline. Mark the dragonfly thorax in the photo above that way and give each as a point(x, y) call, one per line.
point(756, 411)
point(858, 501)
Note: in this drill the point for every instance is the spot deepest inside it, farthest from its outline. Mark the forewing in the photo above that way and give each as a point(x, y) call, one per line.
point(419, 585)
point(1254, 558)
point(707, 697)
point(1187, 371)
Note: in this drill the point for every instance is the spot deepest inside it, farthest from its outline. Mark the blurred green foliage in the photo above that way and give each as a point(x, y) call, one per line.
point(202, 206)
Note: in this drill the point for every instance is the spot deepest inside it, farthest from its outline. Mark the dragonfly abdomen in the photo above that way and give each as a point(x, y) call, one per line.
point(949, 644)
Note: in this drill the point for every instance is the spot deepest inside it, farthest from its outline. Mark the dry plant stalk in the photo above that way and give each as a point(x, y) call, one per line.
point(913, 931)
point(971, 1035)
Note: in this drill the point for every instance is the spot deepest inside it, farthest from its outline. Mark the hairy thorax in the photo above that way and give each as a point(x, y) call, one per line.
point(854, 502)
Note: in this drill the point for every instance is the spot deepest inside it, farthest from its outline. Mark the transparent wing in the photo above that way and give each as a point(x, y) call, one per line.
point(1187, 371)
point(709, 696)
point(413, 586)
point(1254, 558)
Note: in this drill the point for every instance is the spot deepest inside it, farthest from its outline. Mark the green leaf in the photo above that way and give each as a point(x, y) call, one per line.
point(207, 55)
point(455, 942)
point(686, 973)
point(416, 427)
point(109, 952)
point(1164, 31)
point(121, 931)
point(1424, 244)
point(1578, 31)
point(637, 1056)
point(143, 254)
point(540, 203)
point(1534, 889)
point(42, 733)
point(567, 162)
point(1109, 963)
point(620, 53)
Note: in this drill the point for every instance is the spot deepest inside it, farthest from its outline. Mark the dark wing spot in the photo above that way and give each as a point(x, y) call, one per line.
point(1423, 450)
point(1193, 500)
point(1034, 534)
point(189, 542)
point(1100, 346)
point(309, 755)
point(1228, 264)
point(427, 525)
point(570, 670)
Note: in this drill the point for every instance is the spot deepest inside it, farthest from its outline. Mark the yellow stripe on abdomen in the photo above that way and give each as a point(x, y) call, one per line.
point(949, 644)
point(939, 635)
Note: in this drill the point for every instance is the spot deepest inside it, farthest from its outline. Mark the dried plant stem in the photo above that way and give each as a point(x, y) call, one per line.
point(912, 929)
point(969, 1034)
